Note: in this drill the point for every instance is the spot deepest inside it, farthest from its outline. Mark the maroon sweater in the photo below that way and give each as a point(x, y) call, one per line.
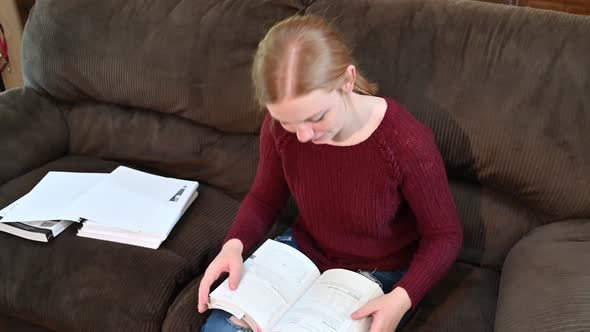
point(383, 204)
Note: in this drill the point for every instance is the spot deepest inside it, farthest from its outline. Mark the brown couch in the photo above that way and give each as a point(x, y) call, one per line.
point(164, 86)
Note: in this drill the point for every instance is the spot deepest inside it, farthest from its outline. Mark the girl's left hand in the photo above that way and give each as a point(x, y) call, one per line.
point(387, 310)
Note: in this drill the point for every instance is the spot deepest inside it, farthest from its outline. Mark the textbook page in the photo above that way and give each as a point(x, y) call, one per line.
point(272, 280)
point(51, 197)
point(328, 303)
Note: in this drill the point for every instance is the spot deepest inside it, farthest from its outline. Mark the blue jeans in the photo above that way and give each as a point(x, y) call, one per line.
point(219, 320)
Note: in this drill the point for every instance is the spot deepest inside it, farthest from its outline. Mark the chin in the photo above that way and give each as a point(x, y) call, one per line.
point(322, 139)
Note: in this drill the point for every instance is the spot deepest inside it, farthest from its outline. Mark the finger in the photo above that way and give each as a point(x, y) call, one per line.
point(205, 286)
point(364, 311)
point(203, 295)
point(235, 273)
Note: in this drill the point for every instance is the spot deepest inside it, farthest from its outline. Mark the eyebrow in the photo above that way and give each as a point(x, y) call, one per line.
point(309, 118)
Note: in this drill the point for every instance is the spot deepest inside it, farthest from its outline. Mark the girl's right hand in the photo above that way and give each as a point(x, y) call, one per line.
point(228, 260)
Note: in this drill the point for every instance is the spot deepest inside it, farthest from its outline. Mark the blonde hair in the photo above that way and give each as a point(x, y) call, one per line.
point(301, 54)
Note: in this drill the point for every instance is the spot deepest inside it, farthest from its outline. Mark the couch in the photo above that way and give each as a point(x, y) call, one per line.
point(164, 86)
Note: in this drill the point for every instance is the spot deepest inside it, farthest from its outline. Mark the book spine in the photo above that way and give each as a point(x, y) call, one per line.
point(81, 222)
point(48, 233)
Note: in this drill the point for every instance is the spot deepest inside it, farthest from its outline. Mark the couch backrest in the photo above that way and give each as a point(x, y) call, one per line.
point(506, 91)
point(188, 58)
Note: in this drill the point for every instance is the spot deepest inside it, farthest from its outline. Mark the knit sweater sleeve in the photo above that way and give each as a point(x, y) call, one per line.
point(267, 196)
point(425, 188)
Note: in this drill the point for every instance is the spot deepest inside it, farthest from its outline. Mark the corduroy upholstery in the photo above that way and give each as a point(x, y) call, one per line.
point(164, 87)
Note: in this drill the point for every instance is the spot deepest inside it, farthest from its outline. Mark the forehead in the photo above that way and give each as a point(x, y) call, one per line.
point(301, 108)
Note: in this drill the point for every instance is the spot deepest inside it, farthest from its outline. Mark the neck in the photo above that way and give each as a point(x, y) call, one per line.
point(358, 113)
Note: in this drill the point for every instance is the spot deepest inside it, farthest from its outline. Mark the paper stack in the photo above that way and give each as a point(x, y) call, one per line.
point(126, 206)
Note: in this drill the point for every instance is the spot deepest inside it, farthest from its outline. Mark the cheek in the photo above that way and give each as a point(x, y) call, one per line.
point(324, 126)
point(332, 123)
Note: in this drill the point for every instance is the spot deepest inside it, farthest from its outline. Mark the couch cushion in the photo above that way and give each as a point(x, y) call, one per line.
point(189, 58)
point(465, 300)
point(9, 324)
point(33, 131)
point(492, 223)
point(78, 284)
point(164, 142)
point(545, 282)
point(182, 315)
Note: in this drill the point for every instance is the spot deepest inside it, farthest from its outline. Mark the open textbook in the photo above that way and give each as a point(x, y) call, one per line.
point(126, 205)
point(281, 290)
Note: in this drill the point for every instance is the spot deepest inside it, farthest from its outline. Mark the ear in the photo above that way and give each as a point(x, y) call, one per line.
point(349, 79)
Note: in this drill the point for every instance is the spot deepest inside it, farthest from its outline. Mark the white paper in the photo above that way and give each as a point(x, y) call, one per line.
point(94, 228)
point(136, 201)
point(51, 197)
point(11, 206)
point(152, 244)
point(22, 229)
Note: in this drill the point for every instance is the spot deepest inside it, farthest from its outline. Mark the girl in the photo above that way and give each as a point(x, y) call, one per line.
point(368, 180)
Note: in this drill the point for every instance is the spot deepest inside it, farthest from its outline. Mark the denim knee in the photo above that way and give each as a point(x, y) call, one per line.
point(219, 321)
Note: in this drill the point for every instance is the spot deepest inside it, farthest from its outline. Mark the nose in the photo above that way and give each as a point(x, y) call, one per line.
point(304, 133)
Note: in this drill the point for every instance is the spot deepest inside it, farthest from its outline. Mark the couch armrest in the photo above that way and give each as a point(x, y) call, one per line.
point(545, 282)
point(33, 131)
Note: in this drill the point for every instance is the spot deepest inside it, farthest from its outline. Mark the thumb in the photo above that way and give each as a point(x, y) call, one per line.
point(235, 273)
point(364, 311)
